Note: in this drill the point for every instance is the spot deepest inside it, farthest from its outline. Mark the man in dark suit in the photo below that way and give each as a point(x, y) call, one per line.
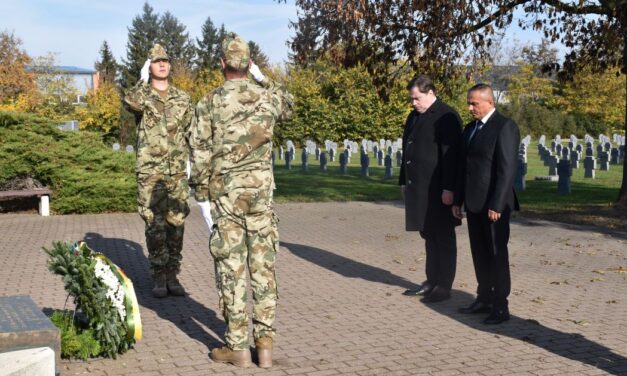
point(431, 140)
point(484, 186)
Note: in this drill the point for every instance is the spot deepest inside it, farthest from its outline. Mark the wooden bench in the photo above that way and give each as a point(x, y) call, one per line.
point(42, 193)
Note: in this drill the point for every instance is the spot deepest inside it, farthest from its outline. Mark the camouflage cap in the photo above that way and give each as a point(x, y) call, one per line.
point(235, 51)
point(157, 52)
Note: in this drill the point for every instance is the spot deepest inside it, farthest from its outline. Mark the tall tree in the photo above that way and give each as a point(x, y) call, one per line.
point(14, 79)
point(175, 39)
point(257, 55)
point(107, 66)
point(208, 47)
point(432, 36)
point(142, 35)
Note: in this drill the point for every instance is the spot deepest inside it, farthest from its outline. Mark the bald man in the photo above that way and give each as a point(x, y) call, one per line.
point(485, 187)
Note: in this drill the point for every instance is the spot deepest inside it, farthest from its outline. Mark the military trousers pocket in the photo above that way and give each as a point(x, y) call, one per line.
point(218, 246)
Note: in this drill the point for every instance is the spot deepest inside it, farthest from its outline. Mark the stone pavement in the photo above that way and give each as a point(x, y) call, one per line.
point(341, 270)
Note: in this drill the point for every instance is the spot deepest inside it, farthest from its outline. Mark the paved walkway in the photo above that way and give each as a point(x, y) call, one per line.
point(341, 270)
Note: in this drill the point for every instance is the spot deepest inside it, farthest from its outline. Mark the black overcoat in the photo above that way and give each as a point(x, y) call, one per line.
point(431, 143)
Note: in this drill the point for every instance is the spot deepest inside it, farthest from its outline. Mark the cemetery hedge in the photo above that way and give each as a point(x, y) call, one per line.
point(84, 174)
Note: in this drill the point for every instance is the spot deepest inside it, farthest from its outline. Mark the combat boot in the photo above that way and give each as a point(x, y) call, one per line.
point(239, 358)
point(264, 351)
point(174, 286)
point(160, 290)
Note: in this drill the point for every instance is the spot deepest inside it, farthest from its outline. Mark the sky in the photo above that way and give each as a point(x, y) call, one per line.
point(74, 29)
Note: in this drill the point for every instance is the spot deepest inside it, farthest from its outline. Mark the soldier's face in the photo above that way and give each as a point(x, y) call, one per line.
point(160, 69)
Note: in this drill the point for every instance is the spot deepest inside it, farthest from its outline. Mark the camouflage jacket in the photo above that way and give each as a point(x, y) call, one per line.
point(163, 132)
point(232, 136)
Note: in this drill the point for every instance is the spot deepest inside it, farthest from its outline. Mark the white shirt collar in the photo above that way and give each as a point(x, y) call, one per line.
point(487, 116)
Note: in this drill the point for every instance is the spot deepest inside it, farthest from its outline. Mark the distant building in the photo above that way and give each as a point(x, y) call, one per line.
point(82, 80)
point(499, 77)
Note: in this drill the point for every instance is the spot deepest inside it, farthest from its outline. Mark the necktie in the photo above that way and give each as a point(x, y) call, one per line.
point(476, 128)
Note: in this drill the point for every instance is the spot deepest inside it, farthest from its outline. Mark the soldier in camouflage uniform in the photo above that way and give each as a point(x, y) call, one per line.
point(162, 157)
point(232, 145)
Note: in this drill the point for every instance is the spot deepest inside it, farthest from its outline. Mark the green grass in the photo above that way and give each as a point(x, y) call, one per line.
point(542, 195)
point(297, 186)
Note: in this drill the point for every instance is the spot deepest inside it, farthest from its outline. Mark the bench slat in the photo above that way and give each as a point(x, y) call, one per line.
point(26, 193)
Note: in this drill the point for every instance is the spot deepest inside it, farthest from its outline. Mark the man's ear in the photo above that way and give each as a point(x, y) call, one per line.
point(222, 64)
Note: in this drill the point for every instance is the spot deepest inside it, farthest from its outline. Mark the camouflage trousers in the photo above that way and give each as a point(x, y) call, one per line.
point(245, 236)
point(163, 205)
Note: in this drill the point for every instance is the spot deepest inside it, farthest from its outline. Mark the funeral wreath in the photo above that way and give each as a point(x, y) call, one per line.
point(104, 298)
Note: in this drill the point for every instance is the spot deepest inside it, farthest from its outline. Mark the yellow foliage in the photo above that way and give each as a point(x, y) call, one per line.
point(102, 112)
point(527, 86)
point(600, 95)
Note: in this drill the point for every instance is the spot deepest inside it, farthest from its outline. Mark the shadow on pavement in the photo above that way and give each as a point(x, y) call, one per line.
point(573, 346)
point(347, 267)
point(184, 312)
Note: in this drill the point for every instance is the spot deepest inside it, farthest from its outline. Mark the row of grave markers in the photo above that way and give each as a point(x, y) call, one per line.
point(561, 159)
point(350, 148)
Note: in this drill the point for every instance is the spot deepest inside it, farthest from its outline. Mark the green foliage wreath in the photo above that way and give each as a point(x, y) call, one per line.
point(77, 265)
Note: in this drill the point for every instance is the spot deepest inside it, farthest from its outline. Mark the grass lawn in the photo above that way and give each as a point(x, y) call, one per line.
point(589, 203)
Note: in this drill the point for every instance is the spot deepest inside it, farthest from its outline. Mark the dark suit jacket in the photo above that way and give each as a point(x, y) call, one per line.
point(430, 153)
point(488, 166)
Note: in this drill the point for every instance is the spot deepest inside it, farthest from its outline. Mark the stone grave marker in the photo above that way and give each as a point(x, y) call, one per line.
point(323, 161)
point(388, 167)
point(365, 164)
point(604, 160)
point(343, 160)
point(564, 172)
point(589, 164)
point(332, 154)
point(303, 158)
point(288, 159)
point(399, 158)
point(380, 158)
point(553, 165)
point(614, 156)
point(281, 152)
point(521, 171)
point(574, 158)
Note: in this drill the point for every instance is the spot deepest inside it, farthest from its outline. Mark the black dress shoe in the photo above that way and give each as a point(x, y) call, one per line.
point(477, 307)
point(497, 316)
point(437, 295)
point(424, 289)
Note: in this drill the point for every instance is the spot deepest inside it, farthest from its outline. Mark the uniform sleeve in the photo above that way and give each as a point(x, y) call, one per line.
point(283, 100)
point(135, 97)
point(200, 140)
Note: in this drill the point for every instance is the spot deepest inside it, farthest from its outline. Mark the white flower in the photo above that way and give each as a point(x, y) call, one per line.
point(115, 292)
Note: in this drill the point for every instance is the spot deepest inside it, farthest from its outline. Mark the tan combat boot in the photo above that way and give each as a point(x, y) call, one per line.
point(160, 290)
point(264, 351)
point(174, 286)
point(239, 358)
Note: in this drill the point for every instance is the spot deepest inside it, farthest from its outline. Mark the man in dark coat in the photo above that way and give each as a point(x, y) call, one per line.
point(431, 140)
point(485, 187)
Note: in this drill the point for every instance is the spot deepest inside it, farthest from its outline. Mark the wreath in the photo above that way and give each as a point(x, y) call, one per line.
point(104, 298)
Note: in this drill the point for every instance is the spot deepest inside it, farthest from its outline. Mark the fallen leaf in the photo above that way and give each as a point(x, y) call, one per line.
point(581, 322)
point(413, 268)
point(389, 237)
point(598, 272)
point(611, 302)
point(619, 269)
point(538, 300)
point(564, 282)
point(597, 280)
point(398, 260)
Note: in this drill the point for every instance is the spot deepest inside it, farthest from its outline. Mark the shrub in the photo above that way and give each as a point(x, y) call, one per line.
point(85, 175)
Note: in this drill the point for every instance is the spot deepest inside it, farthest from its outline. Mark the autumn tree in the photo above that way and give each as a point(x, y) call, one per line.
point(107, 66)
point(432, 36)
point(16, 83)
point(102, 112)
